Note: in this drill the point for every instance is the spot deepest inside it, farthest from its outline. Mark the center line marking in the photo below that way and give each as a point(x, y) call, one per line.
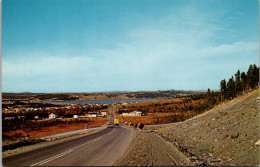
point(66, 152)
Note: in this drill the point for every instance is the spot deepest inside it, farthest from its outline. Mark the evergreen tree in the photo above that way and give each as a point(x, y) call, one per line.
point(243, 81)
point(257, 77)
point(208, 93)
point(238, 87)
point(231, 88)
point(223, 88)
point(255, 72)
point(250, 77)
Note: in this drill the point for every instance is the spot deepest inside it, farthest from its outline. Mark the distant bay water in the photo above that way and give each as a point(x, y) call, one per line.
point(100, 101)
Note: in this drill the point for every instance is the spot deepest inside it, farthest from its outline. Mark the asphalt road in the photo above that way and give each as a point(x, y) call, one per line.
point(99, 149)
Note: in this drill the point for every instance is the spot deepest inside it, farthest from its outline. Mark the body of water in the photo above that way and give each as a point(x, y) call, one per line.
point(100, 101)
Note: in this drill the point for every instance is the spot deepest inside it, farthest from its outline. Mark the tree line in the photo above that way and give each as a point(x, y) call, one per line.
point(239, 83)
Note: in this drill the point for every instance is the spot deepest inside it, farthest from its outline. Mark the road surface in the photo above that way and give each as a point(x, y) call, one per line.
point(98, 149)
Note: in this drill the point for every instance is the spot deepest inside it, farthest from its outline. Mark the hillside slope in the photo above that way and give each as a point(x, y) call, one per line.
point(225, 135)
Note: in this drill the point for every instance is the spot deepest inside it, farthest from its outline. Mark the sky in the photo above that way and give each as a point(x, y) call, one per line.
point(126, 45)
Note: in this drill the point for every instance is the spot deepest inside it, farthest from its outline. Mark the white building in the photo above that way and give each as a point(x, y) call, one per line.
point(133, 114)
point(20, 117)
point(75, 116)
point(53, 115)
point(103, 113)
point(124, 103)
point(92, 114)
point(137, 113)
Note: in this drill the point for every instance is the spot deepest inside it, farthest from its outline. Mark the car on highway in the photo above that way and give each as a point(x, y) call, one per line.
point(116, 121)
point(110, 125)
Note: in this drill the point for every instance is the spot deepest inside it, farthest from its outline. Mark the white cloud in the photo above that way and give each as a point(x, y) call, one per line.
point(232, 49)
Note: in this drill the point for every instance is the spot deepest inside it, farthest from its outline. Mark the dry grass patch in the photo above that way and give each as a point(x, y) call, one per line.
point(59, 128)
point(149, 119)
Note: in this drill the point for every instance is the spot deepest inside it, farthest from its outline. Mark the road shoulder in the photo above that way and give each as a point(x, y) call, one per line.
point(148, 149)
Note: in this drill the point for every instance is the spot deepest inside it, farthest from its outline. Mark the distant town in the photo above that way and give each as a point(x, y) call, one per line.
point(38, 110)
point(39, 106)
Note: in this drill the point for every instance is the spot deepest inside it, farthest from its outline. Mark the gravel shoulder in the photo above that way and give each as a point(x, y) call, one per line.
point(149, 149)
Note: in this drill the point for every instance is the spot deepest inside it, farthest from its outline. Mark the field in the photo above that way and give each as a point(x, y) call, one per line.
point(149, 119)
point(57, 128)
point(169, 110)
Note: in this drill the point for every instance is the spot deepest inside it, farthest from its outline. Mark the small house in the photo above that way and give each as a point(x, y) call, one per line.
point(53, 115)
point(103, 113)
point(9, 118)
point(137, 113)
point(20, 117)
point(75, 116)
point(133, 114)
point(92, 114)
point(124, 103)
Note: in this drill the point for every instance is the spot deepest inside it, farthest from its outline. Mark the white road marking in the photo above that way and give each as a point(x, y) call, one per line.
point(67, 152)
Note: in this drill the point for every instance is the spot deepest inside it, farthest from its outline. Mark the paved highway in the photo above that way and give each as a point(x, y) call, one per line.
point(99, 149)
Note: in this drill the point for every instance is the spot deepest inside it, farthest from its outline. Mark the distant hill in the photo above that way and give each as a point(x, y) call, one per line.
point(160, 94)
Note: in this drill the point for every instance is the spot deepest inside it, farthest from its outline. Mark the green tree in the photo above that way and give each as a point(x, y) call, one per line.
point(243, 81)
point(231, 88)
point(255, 72)
point(238, 87)
point(208, 93)
point(223, 88)
point(250, 77)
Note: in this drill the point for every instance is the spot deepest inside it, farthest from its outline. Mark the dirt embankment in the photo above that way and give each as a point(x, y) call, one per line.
point(149, 149)
point(226, 135)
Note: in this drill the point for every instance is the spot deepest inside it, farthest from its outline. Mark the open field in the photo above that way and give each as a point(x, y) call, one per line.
point(59, 128)
point(149, 119)
point(163, 101)
point(169, 110)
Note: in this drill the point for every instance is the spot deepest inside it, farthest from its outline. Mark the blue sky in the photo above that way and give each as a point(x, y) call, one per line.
point(108, 45)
